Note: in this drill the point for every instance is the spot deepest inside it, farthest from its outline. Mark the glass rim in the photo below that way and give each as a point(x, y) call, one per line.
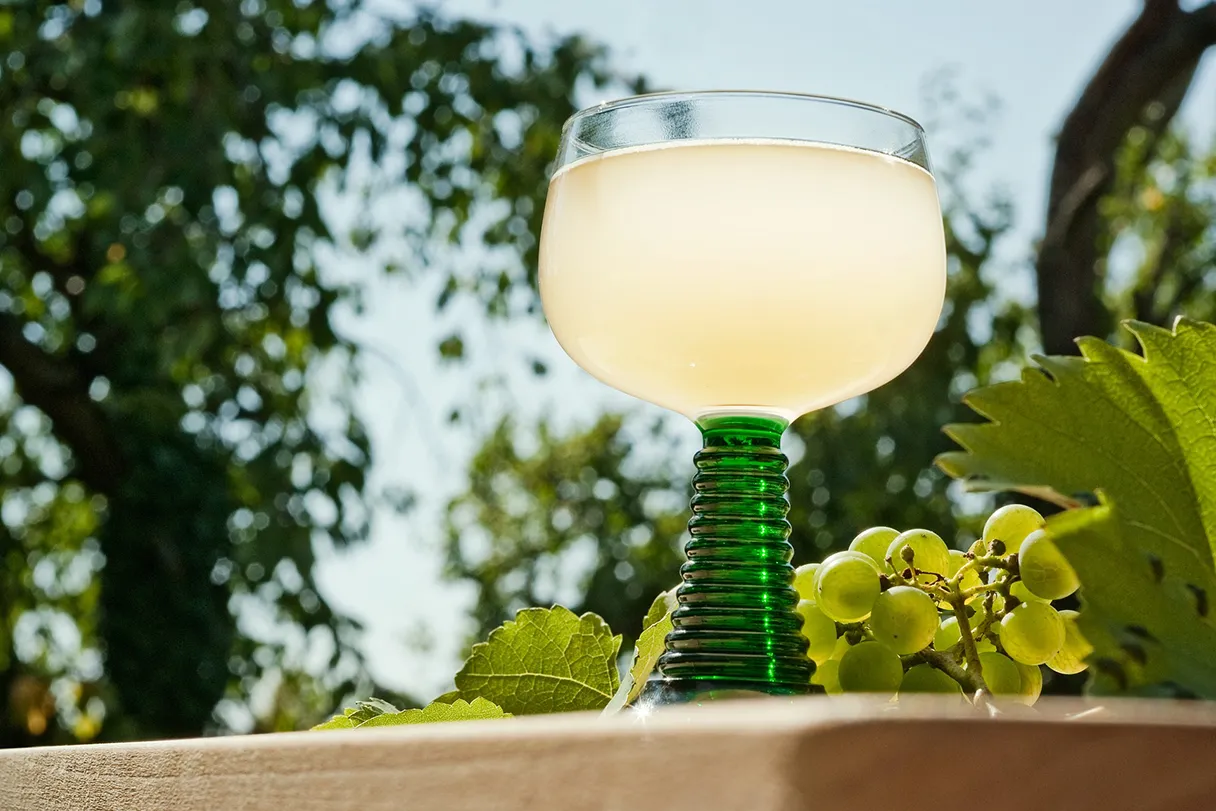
point(682, 95)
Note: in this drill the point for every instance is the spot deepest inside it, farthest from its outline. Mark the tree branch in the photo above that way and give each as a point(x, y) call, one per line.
point(1142, 81)
point(55, 386)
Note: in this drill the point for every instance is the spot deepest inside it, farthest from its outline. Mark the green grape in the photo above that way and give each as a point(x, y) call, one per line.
point(1044, 569)
point(874, 542)
point(827, 676)
point(904, 619)
point(948, 634)
point(804, 581)
point(846, 586)
point(870, 668)
point(1000, 674)
point(1071, 656)
point(928, 679)
point(820, 631)
point(930, 553)
point(1032, 683)
point(1032, 633)
point(984, 646)
point(1024, 594)
point(1011, 524)
point(842, 647)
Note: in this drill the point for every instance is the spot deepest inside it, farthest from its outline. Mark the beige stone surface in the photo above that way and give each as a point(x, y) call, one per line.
point(813, 753)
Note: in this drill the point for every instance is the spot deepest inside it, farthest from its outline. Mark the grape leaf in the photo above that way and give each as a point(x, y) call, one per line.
point(436, 712)
point(337, 722)
point(1106, 421)
point(662, 607)
point(1180, 369)
point(650, 648)
point(645, 657)
point(362, 712)
point(545, 660)
point(624, 689)
point(655, 628)
point(1140, 430)
point(1147, 631)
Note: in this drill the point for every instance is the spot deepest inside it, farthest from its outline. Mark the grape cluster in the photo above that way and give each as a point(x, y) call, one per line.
point(900, 612)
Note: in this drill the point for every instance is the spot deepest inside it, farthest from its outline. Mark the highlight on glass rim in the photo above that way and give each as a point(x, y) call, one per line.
point(717, 379)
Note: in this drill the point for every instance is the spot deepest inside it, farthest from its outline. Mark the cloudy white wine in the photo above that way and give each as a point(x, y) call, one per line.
point(743, 276)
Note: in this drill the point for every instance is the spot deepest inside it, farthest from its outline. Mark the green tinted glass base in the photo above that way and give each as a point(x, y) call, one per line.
point(736, 630)
point(664, 692)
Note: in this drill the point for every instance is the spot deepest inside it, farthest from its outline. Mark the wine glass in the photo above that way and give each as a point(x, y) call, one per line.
point(742, 258)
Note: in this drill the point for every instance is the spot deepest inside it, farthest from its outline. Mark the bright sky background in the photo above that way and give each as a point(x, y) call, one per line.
point(1034, 55)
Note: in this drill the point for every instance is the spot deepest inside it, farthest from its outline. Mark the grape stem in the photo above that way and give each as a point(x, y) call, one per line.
point(970, 681)
point(981, 561)
point(959, 603)
point(971, 592)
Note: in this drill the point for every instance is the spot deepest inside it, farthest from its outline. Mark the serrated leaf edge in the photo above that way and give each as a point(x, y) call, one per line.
point(509, 625)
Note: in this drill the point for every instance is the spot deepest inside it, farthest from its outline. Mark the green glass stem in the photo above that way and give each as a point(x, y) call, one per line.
point(736, 627)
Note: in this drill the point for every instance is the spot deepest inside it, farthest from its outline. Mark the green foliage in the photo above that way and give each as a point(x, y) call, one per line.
point(1138, 430)
point(527, 520)
point(1160, 242)
point(436, 712)
point(545, 660)
point(163, 311)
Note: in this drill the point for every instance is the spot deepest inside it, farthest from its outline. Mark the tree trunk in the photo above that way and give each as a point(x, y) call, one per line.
point(1142, 81)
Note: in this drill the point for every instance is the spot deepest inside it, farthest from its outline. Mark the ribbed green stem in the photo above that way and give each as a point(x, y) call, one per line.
point(736, 622)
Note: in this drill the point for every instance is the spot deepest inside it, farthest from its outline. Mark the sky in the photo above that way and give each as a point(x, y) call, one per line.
point(1034, 56)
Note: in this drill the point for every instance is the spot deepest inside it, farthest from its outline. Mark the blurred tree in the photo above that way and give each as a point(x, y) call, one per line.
point(1158, 244)
point(869, 461)
point(530, 525)
point(166, 469)
point(1139, 87)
